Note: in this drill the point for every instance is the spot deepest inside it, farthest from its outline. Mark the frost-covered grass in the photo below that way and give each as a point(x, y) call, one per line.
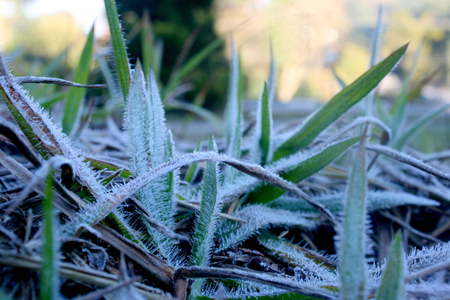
point(308, 213)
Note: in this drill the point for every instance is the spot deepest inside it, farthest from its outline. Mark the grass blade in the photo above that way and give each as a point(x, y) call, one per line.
point(234, 110)
point(118, 43)
point(192, 170)
point(300, 257)
point(373, 60)
point(257, 217)
point(266, 127)
point(338, 105)
point(49, 272)
point(147, 39)
point(207, 217)
point(262, 151)
point(271, 80)
point(75, 95)
point(306, 168)
point(392, 283)
point(409, 134)
point(353, 269)
point(190, 65)
point(338, 78)
point(398, 111)
point(376, 200)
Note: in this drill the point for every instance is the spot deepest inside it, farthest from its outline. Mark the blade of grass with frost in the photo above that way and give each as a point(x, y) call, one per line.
point(49, 273)
point(373, 60)
point(114, 90)
point(99, 210)
point(190, 65)
point(392, 285)
point(417, 126)
point(271, 80)
point(376, 200)
point(312, 263)
point(75, 96)
point(234, 111)
point(157, 127)
point(207, 217)
point(171, 179)
point(137, 122)
point(147, 39)
point(398, 111)
point(338, 105)
point(353, 269)
point(257, 217)
point(266, 193)
point(192, 170)
point(262, 150)
point(407, 159)
point(146, 129)
point(119, 50)
point(13, 102)
point(24, 126)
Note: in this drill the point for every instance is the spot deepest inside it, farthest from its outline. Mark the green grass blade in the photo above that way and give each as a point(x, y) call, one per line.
point(266, 127)
point(120, 52)
point(234, 111)
point(267, 193)
point(338, 78)
point(398, 111)
point(271, 80)
point(24, 126)
point(113, 88)
point(75, 95)
point(377, 38)
point(353, 269)
point(147, 38)
point(417, 88)
point(407, 136)
point(49, 273)
point(338, 105)
point(261, 152)
point(373, 60)
point(393, 281)
point(207, 217)
point(192, 170)
point(190, 65)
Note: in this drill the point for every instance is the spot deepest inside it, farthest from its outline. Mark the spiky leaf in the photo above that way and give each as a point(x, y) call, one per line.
point(234, 111)
point(300, 171)
point(118, 44)
point(338, 105)
point(353, 269)
point(207, 217)
point(75, 95)
point(392, 285)
point(49, 272)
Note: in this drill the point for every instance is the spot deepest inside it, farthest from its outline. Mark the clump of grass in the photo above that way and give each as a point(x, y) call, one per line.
point(220, 236)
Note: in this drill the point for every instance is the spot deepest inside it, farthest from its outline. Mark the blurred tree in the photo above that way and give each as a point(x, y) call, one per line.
point(174, 22)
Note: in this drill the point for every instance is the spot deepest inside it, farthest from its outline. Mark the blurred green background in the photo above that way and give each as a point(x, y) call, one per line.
point(308, 38)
